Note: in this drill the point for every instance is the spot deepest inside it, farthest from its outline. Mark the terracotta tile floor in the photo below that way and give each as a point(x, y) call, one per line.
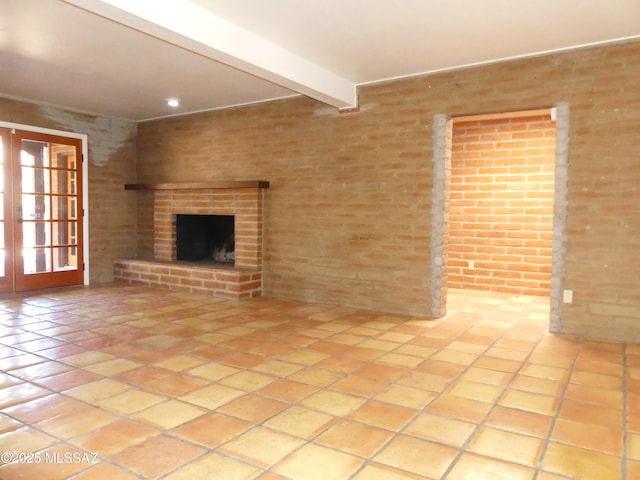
point(118, 382)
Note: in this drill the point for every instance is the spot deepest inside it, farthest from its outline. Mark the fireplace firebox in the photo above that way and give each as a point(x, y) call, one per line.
point(205, 238)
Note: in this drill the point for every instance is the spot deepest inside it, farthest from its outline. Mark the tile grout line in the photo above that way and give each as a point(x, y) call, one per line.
point(208, 450)
point(60, 440)
point(309, 441)
point(394, 434)
point(138, 387)
point(554, 418)
point(270, 468)
point(369, 460)
point(463, 448)
point(365, 461)
point(63, 441)
point(306, 441)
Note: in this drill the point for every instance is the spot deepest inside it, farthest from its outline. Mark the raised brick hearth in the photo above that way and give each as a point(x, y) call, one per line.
point(241, 281)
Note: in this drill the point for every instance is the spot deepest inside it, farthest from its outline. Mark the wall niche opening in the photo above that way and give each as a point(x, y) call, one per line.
point(205, 238)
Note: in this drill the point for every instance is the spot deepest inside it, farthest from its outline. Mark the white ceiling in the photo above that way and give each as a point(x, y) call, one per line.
point(124, 58)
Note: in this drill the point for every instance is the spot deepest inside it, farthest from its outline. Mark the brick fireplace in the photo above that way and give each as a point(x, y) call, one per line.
point(242, 200)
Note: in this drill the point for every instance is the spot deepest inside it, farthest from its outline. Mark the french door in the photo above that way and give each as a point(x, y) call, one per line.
point(41, 211)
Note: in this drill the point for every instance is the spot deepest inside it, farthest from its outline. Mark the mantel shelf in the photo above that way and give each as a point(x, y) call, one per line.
point(219, 185)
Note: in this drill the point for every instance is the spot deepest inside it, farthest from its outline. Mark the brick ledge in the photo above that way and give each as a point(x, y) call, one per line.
point(228, 282)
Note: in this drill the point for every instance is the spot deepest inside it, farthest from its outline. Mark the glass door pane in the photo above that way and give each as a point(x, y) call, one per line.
point(48, 213)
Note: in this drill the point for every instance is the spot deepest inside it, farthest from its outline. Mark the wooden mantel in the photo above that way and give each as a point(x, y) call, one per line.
point(219, 185)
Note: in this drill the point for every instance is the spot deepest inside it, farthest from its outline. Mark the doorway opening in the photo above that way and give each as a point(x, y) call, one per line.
point(499, 204)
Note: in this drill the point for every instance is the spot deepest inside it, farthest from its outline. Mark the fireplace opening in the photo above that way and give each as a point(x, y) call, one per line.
point(205, 238)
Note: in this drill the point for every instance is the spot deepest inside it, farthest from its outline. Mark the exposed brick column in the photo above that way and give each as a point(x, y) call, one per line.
point(440, 213)
point(560, 205)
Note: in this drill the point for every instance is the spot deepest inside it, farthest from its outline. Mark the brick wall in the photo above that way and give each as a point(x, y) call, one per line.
point(501, 204)
point(343, 219)
point(347, 220)
point(347, 217)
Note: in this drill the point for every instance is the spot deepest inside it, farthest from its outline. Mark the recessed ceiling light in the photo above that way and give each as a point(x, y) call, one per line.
point(173, 102)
